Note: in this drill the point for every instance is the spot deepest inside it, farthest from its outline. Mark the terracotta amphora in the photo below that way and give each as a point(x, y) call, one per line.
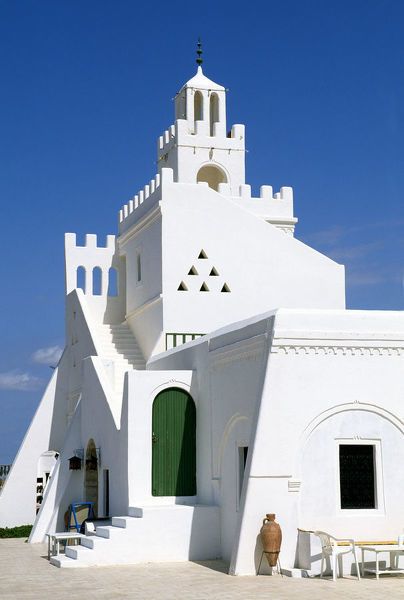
point(271, 537)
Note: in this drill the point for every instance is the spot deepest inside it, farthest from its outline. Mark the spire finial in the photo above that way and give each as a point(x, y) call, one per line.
point(199, 59)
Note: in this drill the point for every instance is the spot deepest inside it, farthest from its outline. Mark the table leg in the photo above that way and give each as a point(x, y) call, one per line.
point(377, 565)
point(363, 562)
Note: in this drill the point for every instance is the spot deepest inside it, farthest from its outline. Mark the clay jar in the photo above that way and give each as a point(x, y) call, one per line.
point(271, 538)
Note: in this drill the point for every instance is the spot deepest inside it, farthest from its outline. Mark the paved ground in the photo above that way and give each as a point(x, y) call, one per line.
point(26, 573)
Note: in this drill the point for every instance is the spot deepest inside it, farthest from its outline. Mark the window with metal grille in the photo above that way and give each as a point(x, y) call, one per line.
point(357, 476)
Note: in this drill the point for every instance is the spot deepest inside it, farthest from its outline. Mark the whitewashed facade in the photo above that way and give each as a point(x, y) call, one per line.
point(206, 291)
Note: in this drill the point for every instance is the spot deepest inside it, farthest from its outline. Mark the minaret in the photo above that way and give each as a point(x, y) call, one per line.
point(198, 147)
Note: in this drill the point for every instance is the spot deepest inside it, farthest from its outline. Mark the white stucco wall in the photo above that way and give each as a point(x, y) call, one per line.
point(263, 267)
point(330, 375)
point(17, 499)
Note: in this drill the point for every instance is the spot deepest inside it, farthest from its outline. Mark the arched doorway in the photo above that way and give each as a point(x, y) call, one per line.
point(212, 175)
point(173, 444)
point(91, 476)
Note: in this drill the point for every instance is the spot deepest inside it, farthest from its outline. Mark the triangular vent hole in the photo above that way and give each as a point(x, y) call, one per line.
point(192, 271)
point(225, 288)
point(182, 287)
point(213, 272)
point(202, 254)
point(204, 288)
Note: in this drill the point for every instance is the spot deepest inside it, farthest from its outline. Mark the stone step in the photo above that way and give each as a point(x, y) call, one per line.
point(119, 522)
point(108, 531)
point(64, 562)
point(94, 542)
point(76, 552)
point(126, 522)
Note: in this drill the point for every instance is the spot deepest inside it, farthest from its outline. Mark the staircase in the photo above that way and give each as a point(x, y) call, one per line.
point(149, 534)
point(118, 344)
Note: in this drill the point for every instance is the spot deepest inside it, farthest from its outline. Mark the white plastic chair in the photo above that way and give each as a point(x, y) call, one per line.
point(330, 549)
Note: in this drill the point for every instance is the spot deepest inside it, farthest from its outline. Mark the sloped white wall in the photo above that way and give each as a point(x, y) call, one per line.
point(17, 499)
point(263, 267)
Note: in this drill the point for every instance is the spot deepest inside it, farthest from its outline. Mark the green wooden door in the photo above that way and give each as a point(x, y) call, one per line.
point(173, 444)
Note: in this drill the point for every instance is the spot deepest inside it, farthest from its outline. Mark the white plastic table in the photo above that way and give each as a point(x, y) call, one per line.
point(394, 550)
point(54, 540)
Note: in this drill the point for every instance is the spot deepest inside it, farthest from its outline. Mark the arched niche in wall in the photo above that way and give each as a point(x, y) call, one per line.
point(97, 281)
point(81, 279)
point(198, 106)
point(46, 464)
point(212, 175)
point(112, 282)
point(213, 111)
point(91, 475)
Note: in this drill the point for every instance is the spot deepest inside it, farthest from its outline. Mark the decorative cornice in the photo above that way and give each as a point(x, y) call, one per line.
point(335, 349)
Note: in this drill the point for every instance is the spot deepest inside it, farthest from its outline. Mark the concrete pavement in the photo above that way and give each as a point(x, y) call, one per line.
point(26, 573)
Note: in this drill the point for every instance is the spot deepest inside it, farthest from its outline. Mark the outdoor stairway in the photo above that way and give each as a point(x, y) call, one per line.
point(117, 343)
point(149, 534)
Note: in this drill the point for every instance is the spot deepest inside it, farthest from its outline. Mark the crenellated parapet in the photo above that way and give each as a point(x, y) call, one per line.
point(91, 267)
point(275, 208)
point(182, 134)
point(143, 201)
point(151, 189)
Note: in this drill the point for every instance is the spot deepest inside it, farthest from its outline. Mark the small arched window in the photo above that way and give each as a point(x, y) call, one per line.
point(113, 282)
point(97, 281)
point(198, 107)
point(212, 175)
point(81, 279)
point(214, 112)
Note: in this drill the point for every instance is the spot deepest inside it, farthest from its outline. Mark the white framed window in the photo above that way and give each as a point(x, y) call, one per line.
point(359, 477)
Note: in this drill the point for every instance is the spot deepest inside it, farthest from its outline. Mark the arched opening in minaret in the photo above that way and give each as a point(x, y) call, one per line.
point(198, 107)
point(212, 175)
point(214, 112)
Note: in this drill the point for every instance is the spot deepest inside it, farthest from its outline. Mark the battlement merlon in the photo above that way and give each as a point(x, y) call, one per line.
point(180, 134)
point(91, 241)
point(276, 209)
point(89, 256)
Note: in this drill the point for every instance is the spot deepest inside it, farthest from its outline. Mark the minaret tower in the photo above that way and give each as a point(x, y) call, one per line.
point(199, 147)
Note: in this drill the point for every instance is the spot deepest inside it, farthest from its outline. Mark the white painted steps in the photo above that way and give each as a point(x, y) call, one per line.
point(156, 534)
point(118, 344)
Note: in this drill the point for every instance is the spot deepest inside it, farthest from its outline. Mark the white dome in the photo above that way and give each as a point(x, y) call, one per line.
point(201, 82)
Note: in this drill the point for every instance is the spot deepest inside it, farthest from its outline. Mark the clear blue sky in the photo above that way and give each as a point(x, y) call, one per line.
point(87, 87)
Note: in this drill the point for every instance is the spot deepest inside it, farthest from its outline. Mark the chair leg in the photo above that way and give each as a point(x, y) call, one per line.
point(334, 567)
point(321, 568)
point(357, 567)
point(340, 565)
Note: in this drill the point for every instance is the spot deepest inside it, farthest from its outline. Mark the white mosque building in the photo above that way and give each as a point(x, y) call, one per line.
point(211, 375)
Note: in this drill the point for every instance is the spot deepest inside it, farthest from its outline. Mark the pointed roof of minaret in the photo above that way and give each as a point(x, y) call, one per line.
point(201, 82)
